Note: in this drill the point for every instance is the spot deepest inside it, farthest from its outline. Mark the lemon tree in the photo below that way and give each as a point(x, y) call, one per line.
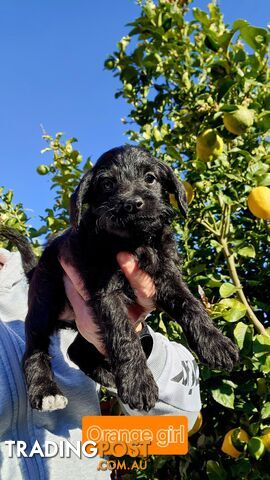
point(200, 100)
point(184, 74)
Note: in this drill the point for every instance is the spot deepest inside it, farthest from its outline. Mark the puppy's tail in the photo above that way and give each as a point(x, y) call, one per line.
point(29, 259)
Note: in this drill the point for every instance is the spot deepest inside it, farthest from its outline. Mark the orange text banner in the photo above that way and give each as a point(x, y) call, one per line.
point(137, 436)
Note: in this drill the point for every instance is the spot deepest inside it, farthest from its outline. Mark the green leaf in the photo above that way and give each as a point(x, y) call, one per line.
point(224, 394)
point(265, 413)
point(264, 180)
point(224, 88)
point(243, 153)
point(215, 471)
point(247, 252)
point(237, 24)
point(261, 345)
point(234, 310)
point(264, 122)
point(227, 289)
point(50, 221)
point(213, 282)
point(266, 102)
point(255, 37)
point(201, 16)
point(240, 468)
point(9, 196)
point(211, 42)
point(240, 334)
point(226, 107)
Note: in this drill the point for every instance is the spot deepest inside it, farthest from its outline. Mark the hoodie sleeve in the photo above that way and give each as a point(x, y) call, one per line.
point(177, 376)
point(13, 287)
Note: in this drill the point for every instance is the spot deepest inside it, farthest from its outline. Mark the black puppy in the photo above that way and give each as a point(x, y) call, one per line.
point(121, 204)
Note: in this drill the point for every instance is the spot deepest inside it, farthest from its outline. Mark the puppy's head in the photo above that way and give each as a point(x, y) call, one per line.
point(127, 191)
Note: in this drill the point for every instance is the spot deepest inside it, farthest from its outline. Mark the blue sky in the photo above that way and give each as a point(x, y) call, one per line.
point(52, 56)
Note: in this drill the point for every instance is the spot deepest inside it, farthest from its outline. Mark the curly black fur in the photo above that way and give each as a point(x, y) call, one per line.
point(29, 259)
point(121, 204)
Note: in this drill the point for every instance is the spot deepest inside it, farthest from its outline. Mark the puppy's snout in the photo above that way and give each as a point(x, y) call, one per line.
point(133, 205)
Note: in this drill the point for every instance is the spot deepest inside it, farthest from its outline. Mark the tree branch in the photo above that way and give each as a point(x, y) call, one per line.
point(240, 292)
point(222, 234)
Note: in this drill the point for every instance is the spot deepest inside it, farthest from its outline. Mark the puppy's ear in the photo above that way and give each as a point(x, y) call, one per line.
point(174, 187)
point(79, 198)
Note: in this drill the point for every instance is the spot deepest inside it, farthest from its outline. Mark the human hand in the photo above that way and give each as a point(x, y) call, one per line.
point(139, 280)
point(4, 257)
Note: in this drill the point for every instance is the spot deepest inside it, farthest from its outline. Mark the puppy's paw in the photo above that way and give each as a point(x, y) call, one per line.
point(147, 259)
point(138, 389)
point(102, 376)
point(218, 352)
point(50, 403)
point(47, 398)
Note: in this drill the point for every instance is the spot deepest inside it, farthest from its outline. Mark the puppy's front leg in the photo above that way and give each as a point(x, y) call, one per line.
point(134, 381)
point(46, 301)
point(211, 346)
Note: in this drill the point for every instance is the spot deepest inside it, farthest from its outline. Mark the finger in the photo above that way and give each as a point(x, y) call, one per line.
point(4, 256)
point(84, 316)
point(74, 277)
point(139, 280)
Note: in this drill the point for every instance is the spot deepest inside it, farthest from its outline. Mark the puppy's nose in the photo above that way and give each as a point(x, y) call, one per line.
point(133, 205)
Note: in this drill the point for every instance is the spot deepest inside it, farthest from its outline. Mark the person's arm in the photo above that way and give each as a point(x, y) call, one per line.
point(172, 365)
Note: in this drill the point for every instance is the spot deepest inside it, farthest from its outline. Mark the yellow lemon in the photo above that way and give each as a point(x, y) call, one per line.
point(189, 191)
point(228, 446)
point(259, 202)
point(266, 439)
point(238, 121)
point(197, 425)
point(209, 145)
point(173, 201)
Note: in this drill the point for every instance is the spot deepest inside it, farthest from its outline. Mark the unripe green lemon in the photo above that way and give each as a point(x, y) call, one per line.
point(238, 121)
point(128, 87)
point(209, 145)
point(109, 64)
point(42, 169)
point(256, 447)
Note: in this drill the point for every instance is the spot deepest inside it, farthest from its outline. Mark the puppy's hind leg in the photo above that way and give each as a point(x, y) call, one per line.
point(134, 381)
point(211, 346)
point(46, 300)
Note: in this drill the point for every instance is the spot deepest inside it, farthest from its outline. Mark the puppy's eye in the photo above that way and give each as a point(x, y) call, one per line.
point(107, 185)
point(150, 178)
